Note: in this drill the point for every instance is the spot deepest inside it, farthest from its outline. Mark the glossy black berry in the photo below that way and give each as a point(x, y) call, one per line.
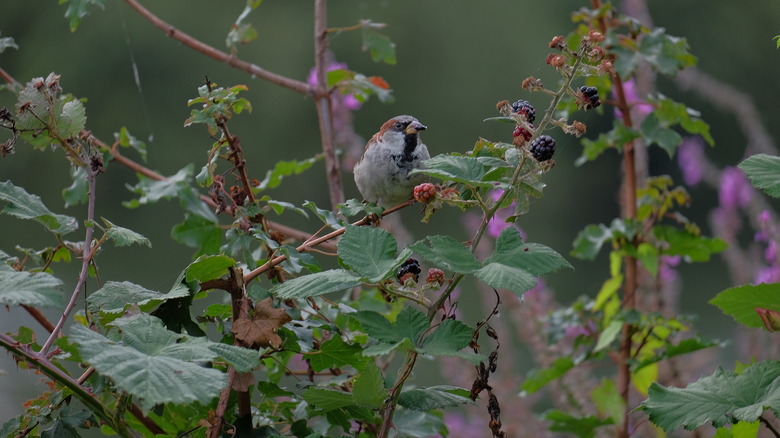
point(590, 97)
point(542, 148)
point(524, 107)
point(410, 266)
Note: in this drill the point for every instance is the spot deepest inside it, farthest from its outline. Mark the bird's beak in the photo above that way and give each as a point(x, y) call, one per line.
point(414, 128)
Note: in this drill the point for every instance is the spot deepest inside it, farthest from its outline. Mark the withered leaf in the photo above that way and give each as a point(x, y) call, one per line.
point(261, 328)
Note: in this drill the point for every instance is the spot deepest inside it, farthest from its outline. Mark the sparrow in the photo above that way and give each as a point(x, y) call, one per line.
point(382, 173)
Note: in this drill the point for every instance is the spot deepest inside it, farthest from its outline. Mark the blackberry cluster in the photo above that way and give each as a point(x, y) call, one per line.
point(424, 192)
point(590, 97)
point(524, 107)
point(543, 148)
point(410, 266)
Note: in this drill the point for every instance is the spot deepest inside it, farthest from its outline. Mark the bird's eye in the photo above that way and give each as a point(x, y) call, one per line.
point(399, 125)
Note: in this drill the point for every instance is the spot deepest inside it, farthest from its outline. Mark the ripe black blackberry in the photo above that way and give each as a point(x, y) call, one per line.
point(590, 97)
point(410, 266)
point(524, 107)
point(542, 148)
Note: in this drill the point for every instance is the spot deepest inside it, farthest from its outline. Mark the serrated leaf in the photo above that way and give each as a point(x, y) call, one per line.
point(721, 398)
point(741, 302)
point(114, 298)
point(382, 49)
point(434, 397)
point(764, 172)
point(200, 233)
point(208, 267)
point(146, 363)
point(539, 377)
point(589, 241)
point(327, 399)
point(465, 170)
point(31, 289)
point(72, 119)
point(151, 191)
point(370, 252)
point(283, 169)
point(691, 246)
point(125, 237)
point(335, 353)
point(656, 132)
point(446, 253)
point(26, 206)
point(316, 284)
point(447, 339)
point(326, 216)
point(77, 192)
point(369, 390)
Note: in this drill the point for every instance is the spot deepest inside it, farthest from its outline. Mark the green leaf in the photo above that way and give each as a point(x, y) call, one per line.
point(369, 390)
point(691, 246)
point(208, 267)
point(26, 206)
point(151, 363)
point(583, 427)
point(151, 191)
point(114, 298)
point(741, 302)
point(335, 353)
point(283, 169)
point(78, 9)
point(665, 53)
point(316, 284)
point(616, 138)
point(123, 236)
point(764, 172)
point(685, 346)
point(447, 339)
point(446, 253)
point(31, 289)
point(126, 140)
point(200, 233)
point(608, 335)
point(410, 324)
point(326, 216)
point(654, 131)
point(72, 119)
point(327, 399)
point(515, 265)
point(721, 398)
point(382, 49)
point(370, 252)
point(589, 241)
point(77, 192)
point(740, 429)
point(434, 397)
point(465, 170)
point(6, 43)
point(538, 378)
point(608, 400)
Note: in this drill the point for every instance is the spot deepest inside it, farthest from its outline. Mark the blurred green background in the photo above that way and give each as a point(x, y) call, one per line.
point(455, 61)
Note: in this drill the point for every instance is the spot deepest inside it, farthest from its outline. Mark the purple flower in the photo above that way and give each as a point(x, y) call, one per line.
point(348, 101)
point(498, 222)
point(770, 253)
point(639, 106)
point(460, 426)
point(690, 155)
point(764, 217)
point(735, 190)
point(666, 269)
point(768, 274)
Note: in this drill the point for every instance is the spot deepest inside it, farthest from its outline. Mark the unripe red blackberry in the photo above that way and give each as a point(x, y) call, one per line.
point(542, 148)
point(425, 192)
point(435, 275)
point(519, 130)
point(589, 97)
point(524, 107)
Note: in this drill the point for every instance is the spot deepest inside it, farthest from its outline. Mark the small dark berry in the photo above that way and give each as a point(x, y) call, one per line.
point(525, 108)
point(542, 148)
point(589, 97)
point(410, 266)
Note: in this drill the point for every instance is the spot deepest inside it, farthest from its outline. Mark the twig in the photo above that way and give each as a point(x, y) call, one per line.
point(769, 426)
point(231, 60)
point(323, 102)
point(38, 316)
point(87, 254)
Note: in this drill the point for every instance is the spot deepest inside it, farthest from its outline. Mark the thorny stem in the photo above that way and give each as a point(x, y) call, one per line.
point(231, 60)
point(631, 272)
point(322, 101)
point(86, 259)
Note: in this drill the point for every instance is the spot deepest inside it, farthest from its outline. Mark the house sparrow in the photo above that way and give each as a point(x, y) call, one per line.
point(382, 173)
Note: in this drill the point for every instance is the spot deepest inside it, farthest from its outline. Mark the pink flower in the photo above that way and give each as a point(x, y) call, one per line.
point(348, 101)
point(768, 274)
point(640, 107)
point(735, 190)
point(498, 222)
point(690, 154)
